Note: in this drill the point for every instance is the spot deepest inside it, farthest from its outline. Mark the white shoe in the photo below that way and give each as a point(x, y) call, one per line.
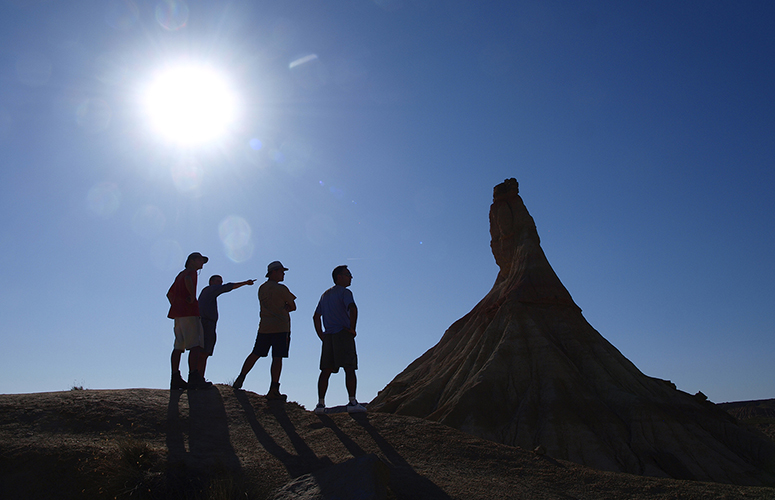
point(355, 408)
point(320, 409)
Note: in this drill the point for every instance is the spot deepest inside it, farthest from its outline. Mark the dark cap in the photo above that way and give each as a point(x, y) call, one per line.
point(274, 266)
point(194, 256)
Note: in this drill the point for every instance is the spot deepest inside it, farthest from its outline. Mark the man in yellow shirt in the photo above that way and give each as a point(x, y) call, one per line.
point(274, 328)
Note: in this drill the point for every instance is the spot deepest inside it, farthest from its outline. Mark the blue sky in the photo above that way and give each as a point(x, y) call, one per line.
point(371, 133)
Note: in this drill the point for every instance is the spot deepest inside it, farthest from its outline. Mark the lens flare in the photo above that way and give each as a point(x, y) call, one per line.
point(235, 234)
point(104, 199)
point(302, 60)
point(187, 175)
point(172, 15)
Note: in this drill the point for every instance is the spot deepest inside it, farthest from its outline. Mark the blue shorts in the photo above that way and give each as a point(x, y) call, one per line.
point(279, 342)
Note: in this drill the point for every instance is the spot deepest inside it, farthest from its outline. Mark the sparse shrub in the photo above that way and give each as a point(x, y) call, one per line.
point(137, 473)
point(142, 472)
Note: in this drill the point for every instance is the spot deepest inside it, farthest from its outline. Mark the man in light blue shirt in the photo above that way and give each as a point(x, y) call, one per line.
point(339, 316)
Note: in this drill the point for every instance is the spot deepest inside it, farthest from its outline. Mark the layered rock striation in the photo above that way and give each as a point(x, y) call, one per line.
point(525, 368)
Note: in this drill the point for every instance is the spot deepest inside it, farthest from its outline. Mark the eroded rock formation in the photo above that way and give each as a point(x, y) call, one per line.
point(525, 368)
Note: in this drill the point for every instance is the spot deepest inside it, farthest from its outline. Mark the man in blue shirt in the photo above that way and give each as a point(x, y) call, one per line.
point(339, 316)
point(208, 311)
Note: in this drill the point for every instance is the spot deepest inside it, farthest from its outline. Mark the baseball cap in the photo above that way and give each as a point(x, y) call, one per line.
point(274, 266)
point(195, 255)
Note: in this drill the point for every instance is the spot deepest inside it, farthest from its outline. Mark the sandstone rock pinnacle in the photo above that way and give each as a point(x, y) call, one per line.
point(524, 368)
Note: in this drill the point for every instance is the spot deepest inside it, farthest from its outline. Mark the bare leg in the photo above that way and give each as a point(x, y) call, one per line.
point(276, 369)
point(250, 361)
point(350, 381)
point(323, 383)
point(248, 365)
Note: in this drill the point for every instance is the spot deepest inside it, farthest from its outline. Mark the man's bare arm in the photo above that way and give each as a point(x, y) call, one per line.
point(353, 318)
point(242, 283)
point(318, 325)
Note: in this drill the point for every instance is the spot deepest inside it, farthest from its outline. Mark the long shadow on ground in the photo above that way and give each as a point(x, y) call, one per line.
point(297, 465)
point(405, 482)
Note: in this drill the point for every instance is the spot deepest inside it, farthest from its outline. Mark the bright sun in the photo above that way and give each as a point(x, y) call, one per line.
point(190, 105)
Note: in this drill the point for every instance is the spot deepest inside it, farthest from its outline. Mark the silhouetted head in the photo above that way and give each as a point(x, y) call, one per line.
point(275, 267)
point(341, 274)
point(196, 260)
point(215, 279)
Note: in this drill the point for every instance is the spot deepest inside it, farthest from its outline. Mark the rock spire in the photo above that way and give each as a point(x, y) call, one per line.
point(526, 369)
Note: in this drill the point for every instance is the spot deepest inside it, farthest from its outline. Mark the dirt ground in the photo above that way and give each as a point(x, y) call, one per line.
point(62, 445)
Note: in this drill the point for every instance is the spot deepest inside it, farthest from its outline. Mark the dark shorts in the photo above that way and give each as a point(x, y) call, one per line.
point(279, 342)
point(208, 326)
point(338, 352)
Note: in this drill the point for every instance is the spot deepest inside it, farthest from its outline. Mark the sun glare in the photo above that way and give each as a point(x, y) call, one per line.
point(190, 105)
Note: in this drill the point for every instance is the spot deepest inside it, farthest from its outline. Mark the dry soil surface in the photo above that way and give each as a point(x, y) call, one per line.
point(58, 445)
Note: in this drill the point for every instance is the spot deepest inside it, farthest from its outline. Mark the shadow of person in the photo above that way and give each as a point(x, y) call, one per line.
point(349, 444)
point(210, 456)
point(404, 480)
point(303, 450)
point(176, 446)
point(209, 443)
point(296, 464)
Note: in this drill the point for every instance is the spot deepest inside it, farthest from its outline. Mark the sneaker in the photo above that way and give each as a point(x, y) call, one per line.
point(239, 381)
point(177, 383)
point(320, 409)
point(355, 407)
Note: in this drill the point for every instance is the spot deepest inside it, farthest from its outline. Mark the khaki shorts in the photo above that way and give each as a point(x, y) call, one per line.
point(188, 333)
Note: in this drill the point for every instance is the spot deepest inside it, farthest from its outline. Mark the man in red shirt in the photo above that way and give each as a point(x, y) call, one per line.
point(189, 335)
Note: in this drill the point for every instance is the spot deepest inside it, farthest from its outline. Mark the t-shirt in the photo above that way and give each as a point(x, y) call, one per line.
point(178, 296)
point(208, 303)
point(272, 297)
point(334, 306)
